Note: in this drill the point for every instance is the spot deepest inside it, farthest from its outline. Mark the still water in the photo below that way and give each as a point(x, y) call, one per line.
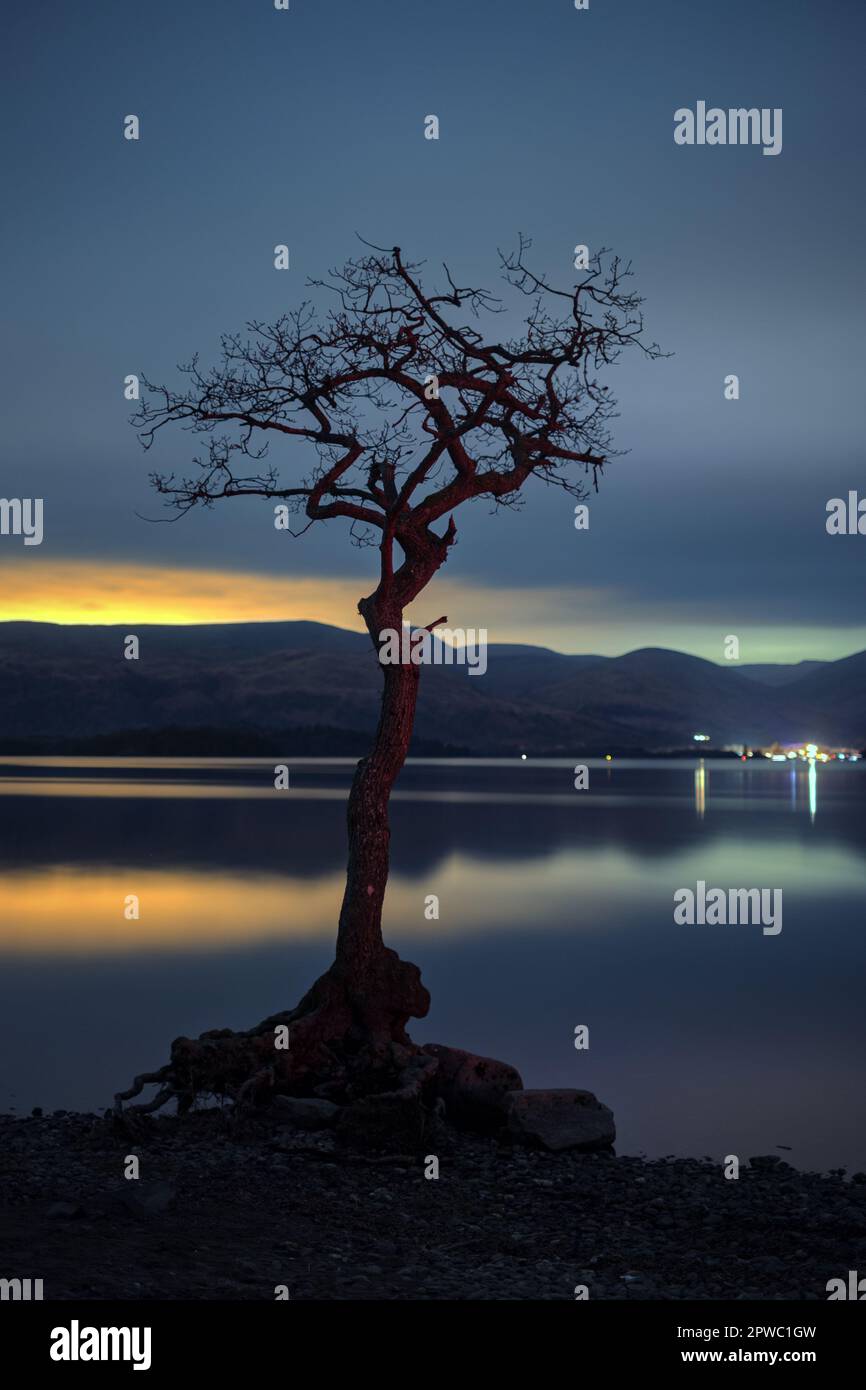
point(555, 910)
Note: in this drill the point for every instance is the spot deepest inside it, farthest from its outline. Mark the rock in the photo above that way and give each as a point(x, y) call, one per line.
point(304, 1112)
point(390, 1121)
point(65, 1211)
point(562, 1119)
point(473, 1088)
point(159, 1197)
point(151, 1200)
point(765, 1161)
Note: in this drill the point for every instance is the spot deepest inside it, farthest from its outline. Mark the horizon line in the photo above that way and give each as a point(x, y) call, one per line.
point(354, 632)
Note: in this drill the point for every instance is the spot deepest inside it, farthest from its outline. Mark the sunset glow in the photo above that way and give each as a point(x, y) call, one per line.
point(576, 618)
point(79, 591)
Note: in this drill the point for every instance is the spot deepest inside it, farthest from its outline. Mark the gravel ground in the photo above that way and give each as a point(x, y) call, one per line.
point(223, 1215)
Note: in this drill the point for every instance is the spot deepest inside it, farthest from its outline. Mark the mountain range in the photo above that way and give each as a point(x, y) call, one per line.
point(61, 686)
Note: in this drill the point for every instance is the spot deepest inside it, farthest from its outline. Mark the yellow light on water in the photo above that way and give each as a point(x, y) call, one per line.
point(701, 790)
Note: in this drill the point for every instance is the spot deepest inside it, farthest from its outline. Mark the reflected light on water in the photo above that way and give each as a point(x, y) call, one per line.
point(71, 911)
point(701, 790)
point(140, 789)
point(76, 911)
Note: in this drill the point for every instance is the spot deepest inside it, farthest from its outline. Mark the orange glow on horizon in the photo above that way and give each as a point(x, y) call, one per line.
point(82, 591)
point(106, 593)
point(566, 618)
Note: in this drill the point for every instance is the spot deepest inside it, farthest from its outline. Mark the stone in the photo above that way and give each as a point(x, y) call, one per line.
point(766, 1161)
point(393, 1122)
point(144, 1200)
point(473, 1088)
point(304, 1112)
point(560, 1119)
point(65, 1211)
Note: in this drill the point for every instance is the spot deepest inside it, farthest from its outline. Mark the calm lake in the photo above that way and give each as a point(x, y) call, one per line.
point(555, 910)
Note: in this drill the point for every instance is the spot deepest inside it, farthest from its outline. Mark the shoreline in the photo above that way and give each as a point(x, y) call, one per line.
point(217, 1214)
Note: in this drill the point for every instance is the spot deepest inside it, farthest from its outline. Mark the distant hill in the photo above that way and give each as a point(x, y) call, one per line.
point(518, 671)
point(838, 686)
point(243, 682)
point(308, 741)
point(776, 673)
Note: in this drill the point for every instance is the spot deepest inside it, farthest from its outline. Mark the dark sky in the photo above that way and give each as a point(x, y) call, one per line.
point(305, 127)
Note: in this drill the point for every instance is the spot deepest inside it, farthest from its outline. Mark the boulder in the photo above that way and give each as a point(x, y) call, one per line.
point(304, 1112)
point(558, 1120)
point(473, 1088)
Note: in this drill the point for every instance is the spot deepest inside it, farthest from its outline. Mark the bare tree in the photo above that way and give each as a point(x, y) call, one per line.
point(405, 410)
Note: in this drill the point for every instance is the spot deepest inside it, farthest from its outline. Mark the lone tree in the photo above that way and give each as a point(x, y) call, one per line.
point(400, 410)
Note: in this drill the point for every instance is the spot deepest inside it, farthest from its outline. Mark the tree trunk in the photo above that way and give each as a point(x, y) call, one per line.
point(384, 991)
point(359, 938)
point(348, 1034)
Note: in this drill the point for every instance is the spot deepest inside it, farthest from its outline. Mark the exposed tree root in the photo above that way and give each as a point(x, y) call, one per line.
point(347, 1041)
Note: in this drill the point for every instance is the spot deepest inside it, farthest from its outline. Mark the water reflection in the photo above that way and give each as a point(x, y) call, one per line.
point(558, 912)
point(74, 910)
point(700, 789)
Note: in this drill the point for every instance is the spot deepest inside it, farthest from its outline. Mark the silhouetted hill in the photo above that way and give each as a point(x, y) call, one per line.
point(244, 681)
point(313, 741)
point(839, 686)
point(666, 697)
point(518, 671)
point(777, 673)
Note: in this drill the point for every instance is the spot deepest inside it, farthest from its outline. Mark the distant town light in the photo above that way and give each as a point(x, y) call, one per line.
point(701, 738)
point(811, 750)
point(523, 757)
point(607, 757)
